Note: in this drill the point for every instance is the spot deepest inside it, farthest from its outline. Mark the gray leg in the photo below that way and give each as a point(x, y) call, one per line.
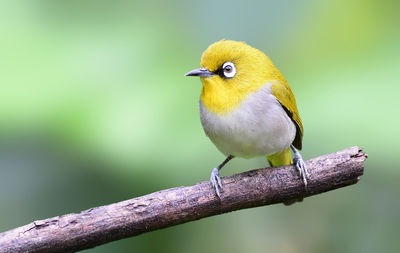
point(215, 179)
point(300, 165)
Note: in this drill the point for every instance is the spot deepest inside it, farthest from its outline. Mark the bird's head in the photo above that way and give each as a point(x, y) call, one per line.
point(230, 70)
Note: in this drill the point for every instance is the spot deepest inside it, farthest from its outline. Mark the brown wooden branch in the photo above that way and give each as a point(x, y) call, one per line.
point(99, 225)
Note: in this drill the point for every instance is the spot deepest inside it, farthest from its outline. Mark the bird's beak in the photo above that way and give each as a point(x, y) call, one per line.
point(202, 72)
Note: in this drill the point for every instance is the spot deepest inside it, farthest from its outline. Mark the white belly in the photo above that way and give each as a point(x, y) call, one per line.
point(258, 127)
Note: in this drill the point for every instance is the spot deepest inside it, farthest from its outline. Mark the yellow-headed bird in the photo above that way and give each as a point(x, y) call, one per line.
point(247, 108)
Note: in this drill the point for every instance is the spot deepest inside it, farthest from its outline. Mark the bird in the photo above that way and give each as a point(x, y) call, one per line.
point(247, 108)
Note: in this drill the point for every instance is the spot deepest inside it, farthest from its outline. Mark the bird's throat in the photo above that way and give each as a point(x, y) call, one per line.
point(220, 98)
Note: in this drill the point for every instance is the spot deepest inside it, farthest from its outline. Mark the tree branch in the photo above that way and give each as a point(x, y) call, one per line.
point(99, 225)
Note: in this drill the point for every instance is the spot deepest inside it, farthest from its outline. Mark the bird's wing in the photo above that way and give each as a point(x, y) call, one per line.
point(281, 90)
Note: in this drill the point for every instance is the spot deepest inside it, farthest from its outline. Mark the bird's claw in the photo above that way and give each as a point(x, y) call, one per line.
point(302, 168)
point(300, 165)
point(216, 181)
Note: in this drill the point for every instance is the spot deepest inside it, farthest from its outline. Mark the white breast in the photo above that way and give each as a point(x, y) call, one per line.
point(258, 127)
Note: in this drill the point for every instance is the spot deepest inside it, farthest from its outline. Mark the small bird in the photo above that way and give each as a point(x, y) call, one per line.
point(247, 108)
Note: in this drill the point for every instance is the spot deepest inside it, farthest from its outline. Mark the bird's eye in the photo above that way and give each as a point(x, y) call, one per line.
point(229, 69)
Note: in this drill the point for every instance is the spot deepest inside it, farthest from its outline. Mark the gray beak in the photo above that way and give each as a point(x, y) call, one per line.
point(202, 72)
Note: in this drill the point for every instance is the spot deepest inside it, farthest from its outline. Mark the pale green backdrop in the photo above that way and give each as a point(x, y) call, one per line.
point(94, 109)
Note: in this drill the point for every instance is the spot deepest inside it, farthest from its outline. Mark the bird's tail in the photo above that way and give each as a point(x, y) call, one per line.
point(281, 158)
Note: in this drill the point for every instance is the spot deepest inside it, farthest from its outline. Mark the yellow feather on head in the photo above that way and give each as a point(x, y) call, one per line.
point(253, 70)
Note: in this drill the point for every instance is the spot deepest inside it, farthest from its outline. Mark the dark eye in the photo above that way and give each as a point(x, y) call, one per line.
point(229, 69)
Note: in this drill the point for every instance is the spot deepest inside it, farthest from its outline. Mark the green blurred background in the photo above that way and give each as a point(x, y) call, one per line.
point(94, 109)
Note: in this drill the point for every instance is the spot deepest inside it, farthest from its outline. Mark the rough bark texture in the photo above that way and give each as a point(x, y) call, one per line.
point(99, 225)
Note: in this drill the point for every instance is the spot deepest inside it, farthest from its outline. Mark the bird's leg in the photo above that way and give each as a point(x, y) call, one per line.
point(300, 165)
point(215, 179)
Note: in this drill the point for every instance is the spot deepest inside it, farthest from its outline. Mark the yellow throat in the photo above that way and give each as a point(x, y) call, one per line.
point(253, 70)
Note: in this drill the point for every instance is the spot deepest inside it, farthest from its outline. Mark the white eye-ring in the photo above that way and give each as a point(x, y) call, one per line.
point(229, 69)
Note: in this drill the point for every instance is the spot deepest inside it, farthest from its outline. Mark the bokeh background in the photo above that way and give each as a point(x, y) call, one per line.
point(94, 109)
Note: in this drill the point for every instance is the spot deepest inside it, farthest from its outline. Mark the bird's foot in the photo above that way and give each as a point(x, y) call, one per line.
point(216, 181)
point(301, 167)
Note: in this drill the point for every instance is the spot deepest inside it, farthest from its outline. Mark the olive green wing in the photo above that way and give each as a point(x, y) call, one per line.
point(281, 90)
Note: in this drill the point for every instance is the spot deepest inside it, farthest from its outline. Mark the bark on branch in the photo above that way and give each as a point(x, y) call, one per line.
point(99, 225)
